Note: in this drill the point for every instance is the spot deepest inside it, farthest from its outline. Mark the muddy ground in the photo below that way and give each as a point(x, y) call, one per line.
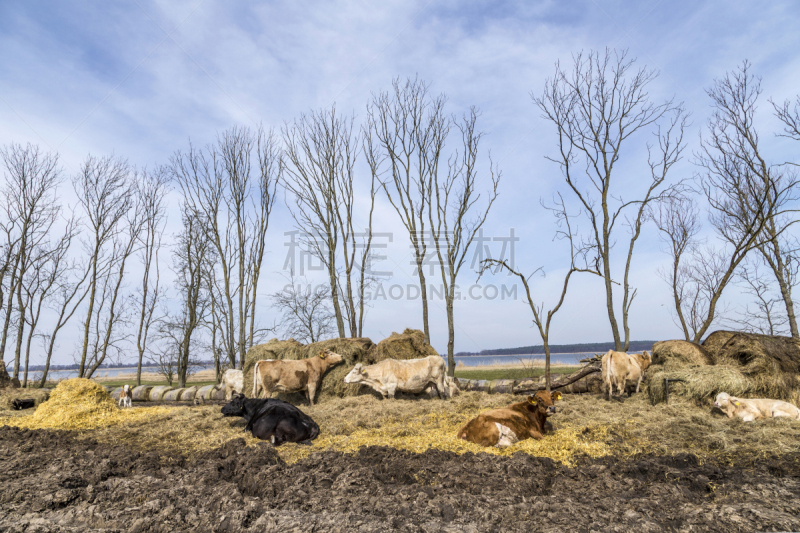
point(53, 482)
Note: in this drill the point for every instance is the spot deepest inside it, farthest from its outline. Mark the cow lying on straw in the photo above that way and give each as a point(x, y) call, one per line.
point(749, 410)
point(509, 425)
point(273, 420)
point(409, 375)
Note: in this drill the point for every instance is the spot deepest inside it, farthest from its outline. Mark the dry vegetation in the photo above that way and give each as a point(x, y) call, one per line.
point(584, 426)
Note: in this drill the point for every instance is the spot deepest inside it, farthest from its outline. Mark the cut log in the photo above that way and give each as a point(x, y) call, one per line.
point(527, 386)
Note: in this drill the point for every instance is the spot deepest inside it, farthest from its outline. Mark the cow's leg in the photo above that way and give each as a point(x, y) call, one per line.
point(638, 384)
point(312, 392)
point(392, 390)
point(441, 387)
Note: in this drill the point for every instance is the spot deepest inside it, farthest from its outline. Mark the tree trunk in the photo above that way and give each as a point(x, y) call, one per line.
point(424, 295)
point(530, 385)
point(451, 337)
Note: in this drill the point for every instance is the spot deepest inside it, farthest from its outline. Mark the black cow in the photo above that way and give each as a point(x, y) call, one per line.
point(273, 419)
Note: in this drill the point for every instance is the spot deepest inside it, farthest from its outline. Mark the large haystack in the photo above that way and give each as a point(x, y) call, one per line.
point(673, 355)
point(75, 404)
point(408, 345)
point(746, 364)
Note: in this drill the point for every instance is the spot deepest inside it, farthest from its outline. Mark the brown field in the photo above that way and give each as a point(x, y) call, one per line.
point(706, 453)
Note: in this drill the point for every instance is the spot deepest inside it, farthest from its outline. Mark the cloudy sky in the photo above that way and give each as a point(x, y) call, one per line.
point(139, 79)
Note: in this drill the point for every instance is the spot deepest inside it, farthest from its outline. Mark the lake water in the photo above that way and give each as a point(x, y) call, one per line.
point(466, 360)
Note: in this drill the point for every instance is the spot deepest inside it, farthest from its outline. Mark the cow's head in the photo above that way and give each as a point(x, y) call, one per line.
point(235, 407)
point(357, 375)
point(332, 358)
point(543, 402)
point(725, 401)
point(126, 389)
point(646, 359)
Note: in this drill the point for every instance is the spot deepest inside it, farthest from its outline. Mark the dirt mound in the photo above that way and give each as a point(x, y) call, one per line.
point(680, 354)
point(408, 345)
point(53, 482)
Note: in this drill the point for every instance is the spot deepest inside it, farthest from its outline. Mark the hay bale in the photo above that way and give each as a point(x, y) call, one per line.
point(188, 394)
point(204, 393)
point(761, 355)
point(407, 345)
point(141, 393)
point(75, 403)
point(677, 354)
point(700, 383)
point(717, 340)
point(173, 395)
point(157, 393)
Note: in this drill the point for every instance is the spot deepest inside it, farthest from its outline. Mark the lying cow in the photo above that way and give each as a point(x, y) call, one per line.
point(409, 375)
point(749, 410)
point(506, 426)
point(293, 376)
point(125, 396)
point(233, 381)
point(273, 420)
point(619, 367)
point(23, 403)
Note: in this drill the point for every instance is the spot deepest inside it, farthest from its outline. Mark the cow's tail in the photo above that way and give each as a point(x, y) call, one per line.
point(256, 379)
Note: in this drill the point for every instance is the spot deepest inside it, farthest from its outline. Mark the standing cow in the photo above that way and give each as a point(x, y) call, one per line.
point(233, 381)
point(293, 376)
point(619, 367)
point(409, 375)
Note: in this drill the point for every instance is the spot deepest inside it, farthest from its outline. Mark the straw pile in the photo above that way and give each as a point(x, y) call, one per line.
point(742, 364)
point(9, 395)
point(408, 345)
point(79, 404)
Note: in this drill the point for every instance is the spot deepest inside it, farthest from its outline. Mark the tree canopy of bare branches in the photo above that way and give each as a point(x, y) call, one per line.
point(306, 313)
point(598, 107)
point(455, 215)
point(409, 126)
point(322, 148)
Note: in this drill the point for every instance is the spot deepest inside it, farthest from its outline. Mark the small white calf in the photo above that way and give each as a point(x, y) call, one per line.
point(753, 409)
point(125, 396)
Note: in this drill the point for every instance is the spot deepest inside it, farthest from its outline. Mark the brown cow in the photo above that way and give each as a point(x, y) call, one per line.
point(293, 376)
point(506, 426)
point(620, 367)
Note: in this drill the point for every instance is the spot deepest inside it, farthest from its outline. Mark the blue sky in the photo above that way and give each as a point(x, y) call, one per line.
point(139, 79)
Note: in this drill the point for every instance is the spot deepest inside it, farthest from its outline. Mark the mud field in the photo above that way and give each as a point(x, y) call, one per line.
point(54, 482)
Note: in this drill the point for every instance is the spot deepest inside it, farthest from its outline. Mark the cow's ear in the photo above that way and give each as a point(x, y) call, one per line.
point(322, 355)
point(362, 371)
point(737, 404)
point(556, 396)
point(532, 400)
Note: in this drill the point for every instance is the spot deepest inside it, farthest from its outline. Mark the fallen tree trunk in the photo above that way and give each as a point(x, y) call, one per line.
point(526, 386)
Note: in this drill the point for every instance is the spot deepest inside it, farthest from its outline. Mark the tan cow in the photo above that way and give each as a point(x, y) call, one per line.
point(233, 381)
point(519, 421)
point(753, 409)
point(293, 376)
point(406, 375)
point(619, 367)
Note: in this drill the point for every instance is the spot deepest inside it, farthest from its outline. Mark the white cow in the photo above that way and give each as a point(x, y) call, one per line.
point(753, 409)
point(125, 396)
point(233, 381)
point(619, 367)
point(409, 375)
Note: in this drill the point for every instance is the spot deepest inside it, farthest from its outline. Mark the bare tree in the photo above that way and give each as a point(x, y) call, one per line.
point(455, 216)
point(48, 270)
point(410, 127)
point(151, 190)
point(104, 193)
point(767, 316)
point(306, 312)
point(322, 149)
point(541, 317)
point(597, 108)
point(217, 184)
point(31, 209)
point(190, 260)
point(749, 199)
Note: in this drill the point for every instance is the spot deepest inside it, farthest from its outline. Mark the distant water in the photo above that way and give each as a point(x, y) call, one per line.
point(479, 360)
point(101, 373)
